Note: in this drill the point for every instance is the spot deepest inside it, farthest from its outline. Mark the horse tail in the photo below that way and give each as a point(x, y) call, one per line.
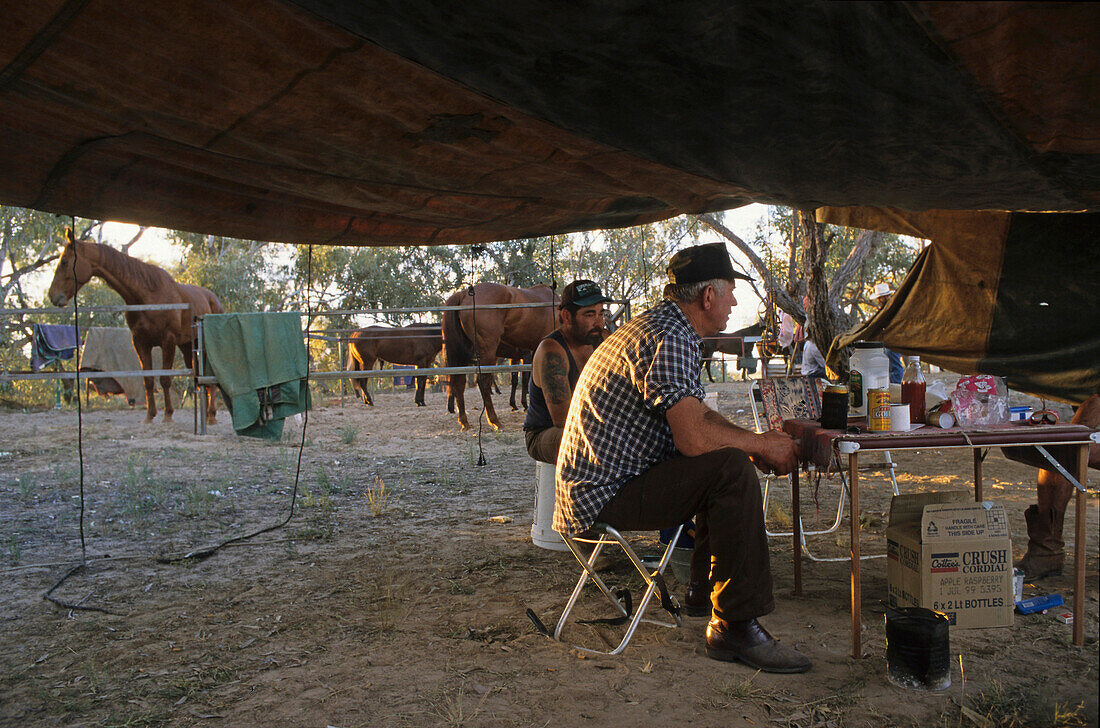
point(457, 348)
point(355, 363)
point(214, 302)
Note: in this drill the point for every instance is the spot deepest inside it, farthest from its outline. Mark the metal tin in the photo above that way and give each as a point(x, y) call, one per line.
point(878, 410)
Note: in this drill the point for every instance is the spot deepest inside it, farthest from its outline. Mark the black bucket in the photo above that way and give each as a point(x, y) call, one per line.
point(918, 652)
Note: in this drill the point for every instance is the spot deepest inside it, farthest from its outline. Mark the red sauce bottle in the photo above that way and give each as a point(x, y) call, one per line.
point(912, 390)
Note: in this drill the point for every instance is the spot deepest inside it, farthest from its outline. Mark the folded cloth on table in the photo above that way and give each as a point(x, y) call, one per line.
point(52, 342)
point(259, 360)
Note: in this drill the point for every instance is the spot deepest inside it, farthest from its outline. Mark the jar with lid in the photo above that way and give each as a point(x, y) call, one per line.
point(912, 389)
point(869, 369)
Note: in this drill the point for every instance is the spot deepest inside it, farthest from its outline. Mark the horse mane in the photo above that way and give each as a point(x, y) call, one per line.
point(151, 277)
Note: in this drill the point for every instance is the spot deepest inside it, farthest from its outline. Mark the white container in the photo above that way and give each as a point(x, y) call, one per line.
point(542, 531)
point(870, 369)
point(899, 417)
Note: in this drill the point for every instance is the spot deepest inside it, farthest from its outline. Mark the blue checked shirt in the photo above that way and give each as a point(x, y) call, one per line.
point(616, 427)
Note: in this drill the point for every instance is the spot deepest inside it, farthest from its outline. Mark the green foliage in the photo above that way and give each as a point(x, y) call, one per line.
point(776, 239)
point(246, 276)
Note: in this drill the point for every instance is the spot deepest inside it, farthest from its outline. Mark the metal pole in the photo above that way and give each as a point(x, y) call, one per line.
point(201, 369)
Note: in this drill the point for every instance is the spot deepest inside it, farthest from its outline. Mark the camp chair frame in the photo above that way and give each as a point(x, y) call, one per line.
point(600, 535)
point(800, 402)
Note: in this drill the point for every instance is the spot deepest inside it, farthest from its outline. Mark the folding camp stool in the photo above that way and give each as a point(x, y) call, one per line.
point(602, 534)
point(800, 398)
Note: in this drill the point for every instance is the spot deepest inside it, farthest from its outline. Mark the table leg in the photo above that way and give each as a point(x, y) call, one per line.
point(977, 474)
point(1080, 511)
point(857, 615)
point(796, 517)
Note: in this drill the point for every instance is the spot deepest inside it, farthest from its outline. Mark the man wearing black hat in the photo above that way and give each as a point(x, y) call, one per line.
point(641, 451)
point(557, 365)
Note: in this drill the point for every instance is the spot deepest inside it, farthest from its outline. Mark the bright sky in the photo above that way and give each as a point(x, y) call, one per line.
point(154, 247)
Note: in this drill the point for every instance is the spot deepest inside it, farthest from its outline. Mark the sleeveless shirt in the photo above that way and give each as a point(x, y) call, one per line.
point(538, 414)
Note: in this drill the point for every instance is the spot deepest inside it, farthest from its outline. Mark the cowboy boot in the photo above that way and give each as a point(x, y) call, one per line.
point(1045, 549)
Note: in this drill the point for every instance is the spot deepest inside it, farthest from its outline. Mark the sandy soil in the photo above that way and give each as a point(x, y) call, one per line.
point(395, 596)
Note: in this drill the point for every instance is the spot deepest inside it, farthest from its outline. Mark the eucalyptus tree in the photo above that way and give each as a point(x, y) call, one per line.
point(833, 267)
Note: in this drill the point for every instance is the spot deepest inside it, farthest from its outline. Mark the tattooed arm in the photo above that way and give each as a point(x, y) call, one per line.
point(550, 369)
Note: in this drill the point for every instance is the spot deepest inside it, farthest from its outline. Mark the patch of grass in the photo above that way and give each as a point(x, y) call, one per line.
point(197, 501)
point(315, 532)
point(328, 485)
point(141, 492)
point(202, 679)
point(322, 503)
point(378, 497)
point(998, 707)
point(348, 434)
point(740, 691)
point(13, 548)
point(779, 515)
point(131, 719)
point(26, 486)
point(453, 711)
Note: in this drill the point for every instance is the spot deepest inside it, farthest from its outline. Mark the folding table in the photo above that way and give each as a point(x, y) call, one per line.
point(1065, 448)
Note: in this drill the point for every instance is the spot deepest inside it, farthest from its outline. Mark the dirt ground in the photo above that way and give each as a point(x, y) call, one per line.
point(395, 596)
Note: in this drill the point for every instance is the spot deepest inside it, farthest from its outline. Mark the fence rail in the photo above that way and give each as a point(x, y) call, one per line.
point(99, 309)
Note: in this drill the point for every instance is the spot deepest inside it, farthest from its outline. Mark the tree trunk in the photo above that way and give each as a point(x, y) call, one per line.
point(824, 320)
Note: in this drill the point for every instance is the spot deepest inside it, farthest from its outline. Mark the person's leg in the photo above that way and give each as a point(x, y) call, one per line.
point(731, 548)
point(722, 488)
point(1045, 520)
point(543, 445)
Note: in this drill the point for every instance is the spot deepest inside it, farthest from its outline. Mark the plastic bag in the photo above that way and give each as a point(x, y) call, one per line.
point(981, 399)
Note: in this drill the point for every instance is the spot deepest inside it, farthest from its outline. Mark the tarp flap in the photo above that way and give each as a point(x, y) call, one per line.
point(359, 122)
point(996, 293)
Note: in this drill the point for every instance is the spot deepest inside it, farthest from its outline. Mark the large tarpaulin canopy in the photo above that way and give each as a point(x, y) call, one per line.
point(412, 121)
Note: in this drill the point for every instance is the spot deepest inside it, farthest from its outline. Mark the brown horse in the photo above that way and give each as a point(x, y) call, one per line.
point(139, 283)
point(416, 344)
point(519, 328)
point(733, 344)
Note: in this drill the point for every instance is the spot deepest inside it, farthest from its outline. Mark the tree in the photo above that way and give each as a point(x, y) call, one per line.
point(797, 258)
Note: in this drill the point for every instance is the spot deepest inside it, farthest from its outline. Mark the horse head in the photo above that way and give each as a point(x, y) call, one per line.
point(73, 271)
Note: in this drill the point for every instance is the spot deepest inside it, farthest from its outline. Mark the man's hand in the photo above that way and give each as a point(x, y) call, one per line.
point(776, 452)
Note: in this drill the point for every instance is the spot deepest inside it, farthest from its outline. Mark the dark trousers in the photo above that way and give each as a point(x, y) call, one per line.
point(543, 445)
point(722, 491)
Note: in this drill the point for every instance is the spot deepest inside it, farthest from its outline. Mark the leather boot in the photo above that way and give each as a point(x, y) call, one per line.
point(747, 641)
point(1045, 549)
point(697, 599)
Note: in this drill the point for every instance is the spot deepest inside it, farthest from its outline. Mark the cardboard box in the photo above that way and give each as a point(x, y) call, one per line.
point(947, 553)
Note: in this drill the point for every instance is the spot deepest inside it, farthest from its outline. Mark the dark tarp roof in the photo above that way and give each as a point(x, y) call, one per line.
point(358, 122)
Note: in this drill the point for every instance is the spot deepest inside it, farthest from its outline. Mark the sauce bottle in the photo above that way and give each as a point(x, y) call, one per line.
point(912, 389)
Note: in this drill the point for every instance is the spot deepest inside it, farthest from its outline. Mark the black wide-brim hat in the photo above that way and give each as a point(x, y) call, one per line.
point(702, 263)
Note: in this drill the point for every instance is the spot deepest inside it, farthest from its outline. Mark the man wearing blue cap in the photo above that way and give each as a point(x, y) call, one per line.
point(642, 452)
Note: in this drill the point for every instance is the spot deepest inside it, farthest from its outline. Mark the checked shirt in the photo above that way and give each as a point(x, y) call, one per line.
point(616, 428)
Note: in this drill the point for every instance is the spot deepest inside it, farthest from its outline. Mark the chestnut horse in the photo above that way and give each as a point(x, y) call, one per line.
point(520, 328)
point(416, 344)
point(139, 283)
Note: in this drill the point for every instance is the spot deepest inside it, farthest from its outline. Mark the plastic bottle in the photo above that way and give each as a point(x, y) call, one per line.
point(912, 389)
point(869, 369)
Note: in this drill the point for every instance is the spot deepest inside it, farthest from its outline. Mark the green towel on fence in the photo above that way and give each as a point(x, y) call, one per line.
point(260, 362)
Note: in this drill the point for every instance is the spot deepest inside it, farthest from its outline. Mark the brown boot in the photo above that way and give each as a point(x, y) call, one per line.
point(1045, 549)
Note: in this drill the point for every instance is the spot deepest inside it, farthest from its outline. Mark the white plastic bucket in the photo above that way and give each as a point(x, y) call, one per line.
point(542, 532)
